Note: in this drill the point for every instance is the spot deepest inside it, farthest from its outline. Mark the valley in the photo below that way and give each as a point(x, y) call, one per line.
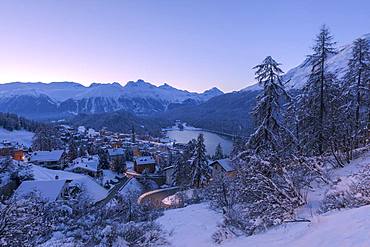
point(250, 125)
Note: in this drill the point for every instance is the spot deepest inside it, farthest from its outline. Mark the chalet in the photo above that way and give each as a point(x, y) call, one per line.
point(50, 190)
point(224, 166)
point(12, 149)
point(144, 163)
point(86, 165)
point(6, 148)
point(114, 153)
point(18, 154)
point(49, 159)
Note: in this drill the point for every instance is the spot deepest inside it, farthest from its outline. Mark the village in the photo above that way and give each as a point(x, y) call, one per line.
point(102, 164)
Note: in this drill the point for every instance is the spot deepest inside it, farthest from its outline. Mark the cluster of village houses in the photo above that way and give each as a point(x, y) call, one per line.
point(151, 158)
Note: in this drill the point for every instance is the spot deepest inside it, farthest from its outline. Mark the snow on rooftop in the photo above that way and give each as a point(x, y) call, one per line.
point(92, 133)
point(49, 190)
point(145, 160)
point(226, 164)
point(81, 129)
point(53, 155)
point(116, 151)
point(90, 163)
point(93, 189)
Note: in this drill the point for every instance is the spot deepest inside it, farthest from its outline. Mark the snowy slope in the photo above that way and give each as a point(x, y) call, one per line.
point(298, 76)
point(316, 195)
point(57, 91)
point(22, 137)
point(191, 226)
point(195, 224)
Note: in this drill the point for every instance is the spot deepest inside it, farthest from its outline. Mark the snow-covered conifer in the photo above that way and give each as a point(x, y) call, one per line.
point(271, 134)
point(200, 164)
point(219, 153)
point(356, 91)
point(315, 100)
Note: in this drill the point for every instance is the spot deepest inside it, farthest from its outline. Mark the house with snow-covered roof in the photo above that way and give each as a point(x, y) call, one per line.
point(49, 190)
point(116, 158)
point(49, 159)
point(223, 166)
point(86, 165)
point(116, 152)
point(144, 163)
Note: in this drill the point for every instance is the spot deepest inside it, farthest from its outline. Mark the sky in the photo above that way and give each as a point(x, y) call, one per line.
point(189, 44)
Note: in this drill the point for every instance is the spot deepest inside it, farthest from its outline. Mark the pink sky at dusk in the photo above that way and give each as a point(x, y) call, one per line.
point(192, 45)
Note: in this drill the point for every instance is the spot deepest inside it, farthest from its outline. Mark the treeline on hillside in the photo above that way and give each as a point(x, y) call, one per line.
point(122, 121)
point(10, 121)
point(228, 113)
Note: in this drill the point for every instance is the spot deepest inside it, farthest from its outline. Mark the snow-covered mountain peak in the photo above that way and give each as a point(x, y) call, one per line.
point(95, 90)
point(139, 84)
point(167, 86)
point(214, 91)
point(64, 84)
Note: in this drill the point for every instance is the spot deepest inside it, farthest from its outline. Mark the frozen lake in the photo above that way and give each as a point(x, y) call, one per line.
point(210, 139)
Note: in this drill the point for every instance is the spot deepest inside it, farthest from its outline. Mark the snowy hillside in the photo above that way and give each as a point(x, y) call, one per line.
point(22, 137)
point(57, 91)
point(347, 227)
point(344, 228)
point(298, 76)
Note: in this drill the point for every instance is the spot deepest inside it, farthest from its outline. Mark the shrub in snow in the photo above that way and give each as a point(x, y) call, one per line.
point(349, 192)
point(25, 222)
point(185, 197)
point(77, 222)
point(121, 223)
point(144, 234)
point(264, 192)
point(225, 232)
point(220, 193)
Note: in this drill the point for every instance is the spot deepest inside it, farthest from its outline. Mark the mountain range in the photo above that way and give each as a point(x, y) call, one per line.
point(57, 99)
point(211, 109)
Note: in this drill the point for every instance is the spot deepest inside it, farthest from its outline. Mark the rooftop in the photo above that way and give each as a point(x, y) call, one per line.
point(116, 151)
point(226, 164)
point(49, 190)
point(145, 160)
point(53, 155)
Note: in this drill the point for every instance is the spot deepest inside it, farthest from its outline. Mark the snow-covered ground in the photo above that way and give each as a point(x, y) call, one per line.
point(109, 175)
point(195, 224)
point(191, 226)
point(133, 188)
point(21, 137)
point(319, 190)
